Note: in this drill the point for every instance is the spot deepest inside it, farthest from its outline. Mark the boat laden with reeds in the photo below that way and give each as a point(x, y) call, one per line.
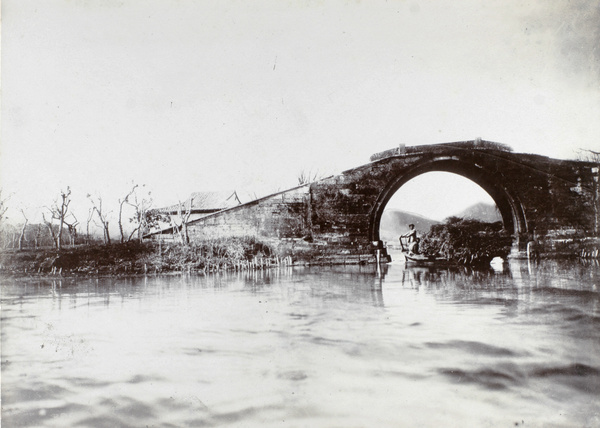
point(418, 259)
point(425, 260)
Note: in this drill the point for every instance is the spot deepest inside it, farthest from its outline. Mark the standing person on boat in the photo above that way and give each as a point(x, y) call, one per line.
point(412, 240)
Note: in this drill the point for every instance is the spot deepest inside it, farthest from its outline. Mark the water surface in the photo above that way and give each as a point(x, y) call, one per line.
point(306, 347)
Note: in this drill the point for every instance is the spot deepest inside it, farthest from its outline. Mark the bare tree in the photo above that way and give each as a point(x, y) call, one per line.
point(122, 202)
point(22, 235)
point(37, 234)
point(3, 206)
point(72, 228)
point(10, 236)
point(102, 216)
point(50, 225)
point(4, 232)
point(184, 216)
point(87, 226)
point(59, 211)
point(143, 217)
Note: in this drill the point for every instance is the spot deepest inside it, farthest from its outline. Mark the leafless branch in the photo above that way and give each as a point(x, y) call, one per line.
point(102, 216)
point(121, 203)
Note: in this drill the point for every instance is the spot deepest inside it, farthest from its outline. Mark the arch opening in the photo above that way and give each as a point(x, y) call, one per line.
point(431, 198)
point(509, 209)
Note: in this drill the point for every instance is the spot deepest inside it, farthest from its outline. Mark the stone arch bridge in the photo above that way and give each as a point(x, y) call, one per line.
point(337, 218)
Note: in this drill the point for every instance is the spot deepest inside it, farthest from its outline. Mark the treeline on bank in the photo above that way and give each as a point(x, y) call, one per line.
point(146, 257)
point(467, 241)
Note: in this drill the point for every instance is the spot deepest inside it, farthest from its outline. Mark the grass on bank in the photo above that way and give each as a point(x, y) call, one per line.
point(145, 257)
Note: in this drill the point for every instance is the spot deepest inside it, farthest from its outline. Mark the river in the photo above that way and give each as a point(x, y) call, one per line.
point(339, 346)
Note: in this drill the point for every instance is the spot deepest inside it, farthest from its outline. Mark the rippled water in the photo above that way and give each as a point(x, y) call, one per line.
point(306, 347)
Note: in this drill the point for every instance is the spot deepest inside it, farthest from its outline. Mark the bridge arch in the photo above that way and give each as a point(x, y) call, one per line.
point(511, 209)
point(337, 218)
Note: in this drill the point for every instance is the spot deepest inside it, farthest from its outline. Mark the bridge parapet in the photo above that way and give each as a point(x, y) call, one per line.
point(403, 150)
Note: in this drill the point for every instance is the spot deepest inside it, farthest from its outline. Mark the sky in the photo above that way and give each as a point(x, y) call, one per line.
point(185, 96)
point(445, 194)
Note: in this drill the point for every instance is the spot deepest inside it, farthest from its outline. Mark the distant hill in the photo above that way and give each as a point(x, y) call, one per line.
point(481, 211)
point(395, 222)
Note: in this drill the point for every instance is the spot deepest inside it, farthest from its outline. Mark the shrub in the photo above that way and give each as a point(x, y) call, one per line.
point(467, 241)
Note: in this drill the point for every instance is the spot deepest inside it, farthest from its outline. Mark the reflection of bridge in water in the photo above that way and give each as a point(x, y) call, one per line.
point(385, 285)
point(519, 280)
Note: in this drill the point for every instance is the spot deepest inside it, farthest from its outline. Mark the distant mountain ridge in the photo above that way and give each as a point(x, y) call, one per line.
point(481, 211)
point(395, 222)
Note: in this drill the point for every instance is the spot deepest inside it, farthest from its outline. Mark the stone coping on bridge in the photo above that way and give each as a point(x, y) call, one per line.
point(478, 144)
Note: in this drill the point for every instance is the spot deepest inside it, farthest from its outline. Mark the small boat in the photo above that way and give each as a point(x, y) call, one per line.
point(425, 260)
point(417, 259)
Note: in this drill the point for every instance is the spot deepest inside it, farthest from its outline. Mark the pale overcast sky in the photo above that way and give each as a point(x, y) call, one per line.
point(191, 95)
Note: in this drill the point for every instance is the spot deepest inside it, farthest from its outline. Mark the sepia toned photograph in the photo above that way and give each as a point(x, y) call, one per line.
point(297, 213)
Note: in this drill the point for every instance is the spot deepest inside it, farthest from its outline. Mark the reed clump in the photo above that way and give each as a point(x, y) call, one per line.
point(144, 258)
point(212, 255)
point(467, 241)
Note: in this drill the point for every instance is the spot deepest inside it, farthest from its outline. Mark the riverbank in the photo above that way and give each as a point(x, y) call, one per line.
point(133, 258)
point(234, 254)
